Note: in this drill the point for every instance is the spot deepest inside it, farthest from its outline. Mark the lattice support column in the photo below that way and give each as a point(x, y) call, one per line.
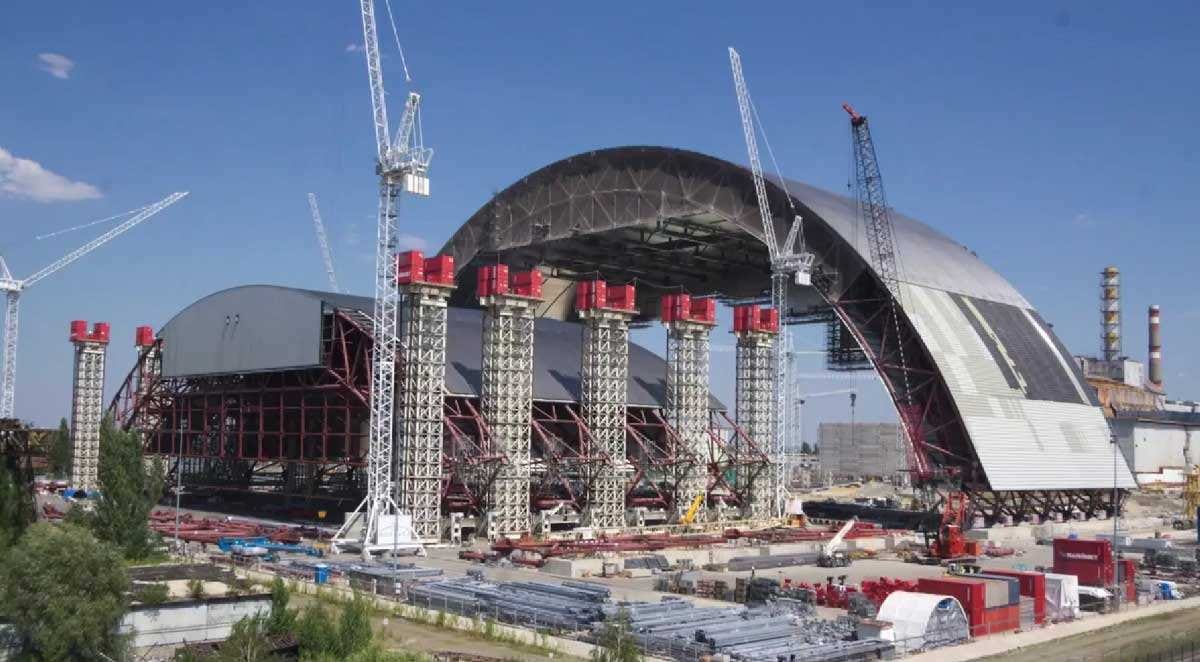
point(756, 331)
point(689, 324)
point(506, 400)
point(605, 312)
point(148, 372)
point(422, 385)
point(87, 403)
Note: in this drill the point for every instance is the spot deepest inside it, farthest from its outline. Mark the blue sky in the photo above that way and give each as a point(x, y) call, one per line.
point(1052, 138)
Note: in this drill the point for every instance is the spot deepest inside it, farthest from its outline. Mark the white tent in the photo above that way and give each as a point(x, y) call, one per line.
point(1062, 597)
point(924, 620)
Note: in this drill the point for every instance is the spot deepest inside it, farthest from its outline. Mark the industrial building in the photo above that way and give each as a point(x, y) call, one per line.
point(1153, 432)
point(263, 390)
point(862, 450)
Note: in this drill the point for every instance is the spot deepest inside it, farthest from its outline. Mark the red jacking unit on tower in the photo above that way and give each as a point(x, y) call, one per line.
point(99, 334)
point(412, 267)
point(747, 319)
point(495, 280)
point(683, 308)
point(591, 294)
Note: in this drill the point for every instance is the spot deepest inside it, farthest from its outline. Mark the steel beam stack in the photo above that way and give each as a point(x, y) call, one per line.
point(424, 284)
point(606, 311)
point(689, 324)
point(87, 403)
point(506, 400)
point(756, 331)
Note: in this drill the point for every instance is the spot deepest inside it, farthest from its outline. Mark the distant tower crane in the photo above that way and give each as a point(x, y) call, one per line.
point(873, 207)
point(13, 287)
point(789, 261)
point(402, 165)
point(326, 254)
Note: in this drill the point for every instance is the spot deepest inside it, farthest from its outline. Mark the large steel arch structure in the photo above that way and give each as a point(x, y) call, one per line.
point(998, 407)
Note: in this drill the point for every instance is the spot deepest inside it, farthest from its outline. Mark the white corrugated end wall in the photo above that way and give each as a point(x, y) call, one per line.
point(1023, 444)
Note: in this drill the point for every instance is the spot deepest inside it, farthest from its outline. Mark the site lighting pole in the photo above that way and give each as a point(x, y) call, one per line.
point(1116, 516)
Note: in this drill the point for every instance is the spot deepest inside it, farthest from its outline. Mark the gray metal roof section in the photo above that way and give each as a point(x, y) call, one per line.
point(267, 328)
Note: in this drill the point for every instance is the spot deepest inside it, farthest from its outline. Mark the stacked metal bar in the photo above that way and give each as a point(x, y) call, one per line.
point(570, 605)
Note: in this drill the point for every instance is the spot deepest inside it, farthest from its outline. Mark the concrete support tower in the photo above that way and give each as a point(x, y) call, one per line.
point(1110, 313)
point(87, 403)
point(756, 330)
point(506, 400)
point(149, 368)
point(1156, 374)
point(606, 311)
point(425, 284)
point(689, 324)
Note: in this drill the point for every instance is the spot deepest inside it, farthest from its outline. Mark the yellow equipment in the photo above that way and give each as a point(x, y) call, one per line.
point(692, 509)
point(1191, 494)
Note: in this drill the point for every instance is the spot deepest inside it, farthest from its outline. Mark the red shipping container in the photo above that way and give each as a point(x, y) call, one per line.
point(528, 283)
point(676, 307)
point(491, 280)
point(410, 267)
point(78, 330)
point(100, 332)
point(439, 270)
point(768, 320)
point(970, 594)
point(143, 336)
point(703, 310)
point(1127, 576)
point(1033, 585)
point(1089, 560)
point(622, 297)
point(1000, 619)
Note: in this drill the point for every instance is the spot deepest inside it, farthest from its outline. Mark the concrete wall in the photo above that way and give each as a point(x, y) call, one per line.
point(191, 621)
point(864, 450)
point(1150, 447)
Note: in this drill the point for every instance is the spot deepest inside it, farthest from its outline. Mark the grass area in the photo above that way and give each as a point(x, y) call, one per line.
point(1156, 637)
point(477, 629)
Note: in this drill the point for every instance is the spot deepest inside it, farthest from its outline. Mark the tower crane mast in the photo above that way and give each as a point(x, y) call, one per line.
point(789, 261)
point(323, 240)
point(402, 166)
point(876, 215)
point(13, 287)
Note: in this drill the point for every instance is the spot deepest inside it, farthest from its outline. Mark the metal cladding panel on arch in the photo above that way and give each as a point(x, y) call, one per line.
point(1031, 419)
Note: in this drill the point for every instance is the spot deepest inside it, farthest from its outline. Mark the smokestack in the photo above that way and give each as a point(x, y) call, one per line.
point(1110, 313)
point(1156, 376)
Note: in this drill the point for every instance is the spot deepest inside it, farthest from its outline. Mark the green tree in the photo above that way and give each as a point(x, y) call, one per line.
point(247, 642)
point(16, 505)
point(59, 452)
point(316, 632)
point(616, 643)
point(324, 638)
point(806, 448)
point(128, 491)
point(64, 592)
point(282, 619)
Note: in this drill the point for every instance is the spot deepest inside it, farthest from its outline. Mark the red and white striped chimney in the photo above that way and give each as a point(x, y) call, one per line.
point(1156, 376)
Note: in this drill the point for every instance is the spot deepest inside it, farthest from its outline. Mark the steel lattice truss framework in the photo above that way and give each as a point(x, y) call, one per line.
point(87, 410)
point(422, 385)
point(687, 406)
point(605, 376)
point(755, 389)
point(506, 402)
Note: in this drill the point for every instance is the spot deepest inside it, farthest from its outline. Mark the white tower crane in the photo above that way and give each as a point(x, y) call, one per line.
point(402, 165)
point(326, 253)
point(13, 287)
point(789, 261)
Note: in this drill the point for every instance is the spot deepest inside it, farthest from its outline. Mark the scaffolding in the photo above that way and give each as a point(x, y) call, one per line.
point(689, 324)
point(422, 385)
point(606, 313)
point(506, 398)
point(87, 403)
point(756, 331)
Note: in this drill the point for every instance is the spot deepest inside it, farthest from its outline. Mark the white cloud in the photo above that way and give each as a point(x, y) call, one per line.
point(1084, 220)
point(354, 47)
point(22, 178)
point(56, 64)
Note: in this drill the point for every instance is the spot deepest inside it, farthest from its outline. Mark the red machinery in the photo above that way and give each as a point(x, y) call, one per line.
point(950, 542)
